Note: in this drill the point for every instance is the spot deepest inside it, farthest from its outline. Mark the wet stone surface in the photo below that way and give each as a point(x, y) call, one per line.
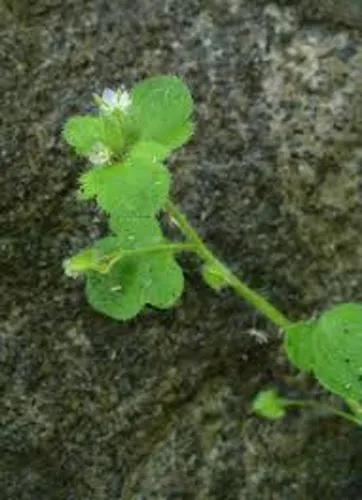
point(159, 407)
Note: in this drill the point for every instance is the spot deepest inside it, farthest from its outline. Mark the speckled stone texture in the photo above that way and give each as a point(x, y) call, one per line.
point(159, 407)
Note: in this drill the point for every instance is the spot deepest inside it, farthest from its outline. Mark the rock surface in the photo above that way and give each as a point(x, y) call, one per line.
point(158, 408)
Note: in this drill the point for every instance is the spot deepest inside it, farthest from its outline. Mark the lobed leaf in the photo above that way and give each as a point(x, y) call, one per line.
point(81, 262)
point(149, 151)
point(298, 343)
point(331, 348)
point(138, 187)
point(136, 232)
point(134, 281)
point(86, 132)
point(337, 347)
point(96, 258)
point(161, 111)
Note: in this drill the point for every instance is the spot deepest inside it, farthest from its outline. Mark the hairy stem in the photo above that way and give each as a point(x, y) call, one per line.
point(106, 264)
point(228, 276)
point(321, 406)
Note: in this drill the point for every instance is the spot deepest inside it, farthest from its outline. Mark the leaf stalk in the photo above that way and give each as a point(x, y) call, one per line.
point(302, 403)
point(240, 288)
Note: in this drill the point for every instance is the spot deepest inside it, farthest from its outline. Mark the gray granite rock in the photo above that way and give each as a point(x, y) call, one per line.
point(341, 12)
point(158, 408)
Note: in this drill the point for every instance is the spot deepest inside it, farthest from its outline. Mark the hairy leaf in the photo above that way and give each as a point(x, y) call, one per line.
point(86, 132)
point(161, 110)
point(149, 151)
point(81, 262)
point(136, 188)
point(135, 280)
point(137, 232)
point(337, 346)
point(298, 342)
point(96, 258)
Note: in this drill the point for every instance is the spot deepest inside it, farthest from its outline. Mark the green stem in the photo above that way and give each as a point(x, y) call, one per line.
point(355, 407)
point(228, 276)
point(321, 406)
point(105, 265)
point(166, 247)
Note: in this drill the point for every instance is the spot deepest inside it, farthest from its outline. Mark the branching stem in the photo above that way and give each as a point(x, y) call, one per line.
point(228, 276)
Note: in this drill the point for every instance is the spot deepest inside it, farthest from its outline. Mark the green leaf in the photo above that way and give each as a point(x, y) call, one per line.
point(337, 346)
point(138, 187)
point(119, 293)
point(213, 277)
point(113, 134)
point(164, 278)
point(148, 151)
point(298, 342)
point(136, 232)
point(134, 281)
point(82, 132)
point(161, 110)
point(81, 262)
point(97, 258)
point(331, 347)
point(356, 408)
point(89, 185)
point(269, 404)
point(86, 132)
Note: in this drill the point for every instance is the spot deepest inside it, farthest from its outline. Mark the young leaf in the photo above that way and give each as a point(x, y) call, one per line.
point(87, 132)
point(298, 343)
point(136, 232)
point(148, 151)
point(337, 347)
point(213, 277)
point(82, 132)
point(161, 110)
point(138, 187)
point(97, 258)
point(113, 133)
point(269, 404)
point(81, 262)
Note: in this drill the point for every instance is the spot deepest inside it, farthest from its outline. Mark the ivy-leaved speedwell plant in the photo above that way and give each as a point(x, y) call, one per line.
point(127, 143)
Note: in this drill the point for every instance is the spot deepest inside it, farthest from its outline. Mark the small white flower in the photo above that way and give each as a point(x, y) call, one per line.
point(100, 154)
point(115, 99)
